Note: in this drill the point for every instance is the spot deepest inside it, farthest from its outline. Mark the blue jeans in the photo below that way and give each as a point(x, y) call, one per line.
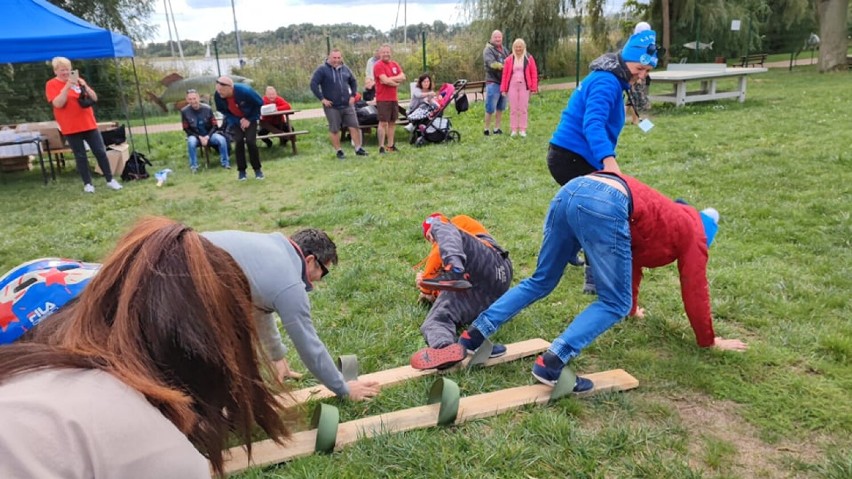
point(593, 216)
point(217, 140)
point(493, 98)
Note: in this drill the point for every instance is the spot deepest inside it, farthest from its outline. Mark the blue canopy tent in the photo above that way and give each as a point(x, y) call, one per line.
point(35, 30)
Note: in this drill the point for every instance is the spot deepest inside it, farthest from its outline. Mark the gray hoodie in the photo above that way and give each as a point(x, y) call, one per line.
point(275, 269)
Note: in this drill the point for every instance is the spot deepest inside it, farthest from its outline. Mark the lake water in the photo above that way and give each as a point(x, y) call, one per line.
point(195, 66)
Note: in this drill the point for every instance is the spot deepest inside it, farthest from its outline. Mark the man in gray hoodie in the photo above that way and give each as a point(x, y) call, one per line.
point(281, 271)
point(494, 55)
point(335, 86)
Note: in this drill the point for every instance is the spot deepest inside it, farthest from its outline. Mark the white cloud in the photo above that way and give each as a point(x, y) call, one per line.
point(204, 19)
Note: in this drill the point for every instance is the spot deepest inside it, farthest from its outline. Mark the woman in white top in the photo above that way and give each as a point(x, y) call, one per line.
point(147, 374)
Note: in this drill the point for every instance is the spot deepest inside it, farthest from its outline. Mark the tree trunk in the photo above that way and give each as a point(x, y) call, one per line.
point(832, 32)
point(667, 35)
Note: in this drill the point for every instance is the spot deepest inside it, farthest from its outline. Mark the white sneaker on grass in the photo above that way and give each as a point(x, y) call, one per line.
point(112, 184)
point(88, 188)
point(523, 134)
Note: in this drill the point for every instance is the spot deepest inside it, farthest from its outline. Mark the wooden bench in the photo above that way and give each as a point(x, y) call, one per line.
point(753, 59)
point(475, 88)
point(290, 135)
point(365, 129)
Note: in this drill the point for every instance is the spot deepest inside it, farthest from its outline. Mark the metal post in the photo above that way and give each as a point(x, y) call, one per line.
point(748, 40)
point(697, 37)
point(327, 44)
point(423, 42)
point(579, 22)
point(141, 107)
point(237, 35)
point(216, 51)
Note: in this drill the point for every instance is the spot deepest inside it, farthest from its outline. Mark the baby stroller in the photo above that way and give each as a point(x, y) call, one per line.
point(428, 122)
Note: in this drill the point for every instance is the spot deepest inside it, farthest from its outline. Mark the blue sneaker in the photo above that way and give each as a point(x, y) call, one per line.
point(242, 176)
point(549, 375)
point(258, 175)
point(471, 345)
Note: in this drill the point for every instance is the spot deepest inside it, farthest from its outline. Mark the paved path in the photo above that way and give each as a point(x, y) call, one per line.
point(318, 113)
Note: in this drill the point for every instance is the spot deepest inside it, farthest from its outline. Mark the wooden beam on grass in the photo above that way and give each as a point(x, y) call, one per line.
point(393, 376)
point(473, 407)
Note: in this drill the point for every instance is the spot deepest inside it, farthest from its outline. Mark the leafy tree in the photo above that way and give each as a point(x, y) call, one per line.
point(834, 34)
point(129, 17)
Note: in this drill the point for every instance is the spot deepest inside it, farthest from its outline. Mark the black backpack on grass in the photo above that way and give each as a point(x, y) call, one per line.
point(134, 169)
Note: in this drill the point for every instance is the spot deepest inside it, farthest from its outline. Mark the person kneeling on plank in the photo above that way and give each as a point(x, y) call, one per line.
point(622, 225)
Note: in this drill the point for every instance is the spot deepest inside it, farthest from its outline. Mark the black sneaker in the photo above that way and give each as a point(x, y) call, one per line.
point(361, 152)
point(498, 131)
point(486, 132)
point(381, 150)
point(340, 155)
point(449, 280)
point(267, 142)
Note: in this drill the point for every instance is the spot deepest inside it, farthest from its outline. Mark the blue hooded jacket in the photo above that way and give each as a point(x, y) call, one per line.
point(594, 117)
point(247, 100)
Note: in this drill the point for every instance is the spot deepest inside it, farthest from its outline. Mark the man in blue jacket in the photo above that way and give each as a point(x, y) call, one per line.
point(335, 86)
point(241, 107)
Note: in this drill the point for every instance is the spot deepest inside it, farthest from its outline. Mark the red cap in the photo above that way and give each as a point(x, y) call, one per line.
point(427, 223)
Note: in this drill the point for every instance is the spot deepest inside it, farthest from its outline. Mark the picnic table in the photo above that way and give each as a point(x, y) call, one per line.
point(679, 75)
point(288, 135)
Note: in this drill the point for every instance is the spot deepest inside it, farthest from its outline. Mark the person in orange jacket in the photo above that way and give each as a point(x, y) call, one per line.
point(465, 272)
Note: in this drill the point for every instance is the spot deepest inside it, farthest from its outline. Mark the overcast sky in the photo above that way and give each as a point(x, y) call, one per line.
point(202, 19)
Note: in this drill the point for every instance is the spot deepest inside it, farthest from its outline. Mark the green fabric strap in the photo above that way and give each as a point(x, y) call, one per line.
point(446, 392)
point(325, 419)
point(348, 366)
point(481, 355)
point(564, 385)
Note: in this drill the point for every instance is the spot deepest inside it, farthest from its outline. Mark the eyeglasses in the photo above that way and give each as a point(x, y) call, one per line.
point(191, 90)
point(652, 49)
point(318, 261)
point(224, 84)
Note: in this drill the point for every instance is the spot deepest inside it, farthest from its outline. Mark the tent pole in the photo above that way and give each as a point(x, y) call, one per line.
point(124, 108)
point(141, 108)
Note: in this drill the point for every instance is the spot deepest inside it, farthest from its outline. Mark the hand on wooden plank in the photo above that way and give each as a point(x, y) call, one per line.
point(283, 370)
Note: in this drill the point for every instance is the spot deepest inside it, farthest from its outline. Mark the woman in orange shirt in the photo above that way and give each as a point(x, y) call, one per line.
point(76, 122)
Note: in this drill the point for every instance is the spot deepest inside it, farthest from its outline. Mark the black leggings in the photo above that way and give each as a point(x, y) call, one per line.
point(565, 165)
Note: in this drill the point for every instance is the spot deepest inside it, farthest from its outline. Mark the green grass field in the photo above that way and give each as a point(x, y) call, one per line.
point(777, 168)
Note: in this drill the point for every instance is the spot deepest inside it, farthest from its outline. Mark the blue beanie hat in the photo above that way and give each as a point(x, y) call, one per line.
point(636, 48)
point(710, 220)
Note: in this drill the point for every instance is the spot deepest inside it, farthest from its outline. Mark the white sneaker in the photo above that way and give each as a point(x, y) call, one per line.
point(514, 134)
point(89, 188)
point(523, 134)
point(113, 185)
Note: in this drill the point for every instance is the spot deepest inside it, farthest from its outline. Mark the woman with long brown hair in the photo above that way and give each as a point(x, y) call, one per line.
point(146, 374)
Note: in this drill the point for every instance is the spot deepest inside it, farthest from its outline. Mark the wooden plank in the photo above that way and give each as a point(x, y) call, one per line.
point(393, 376)
point(473, 407)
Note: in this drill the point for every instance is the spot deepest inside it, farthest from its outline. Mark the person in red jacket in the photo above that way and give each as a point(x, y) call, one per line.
point(622, 225)
point(520, 79)
point(274, 123)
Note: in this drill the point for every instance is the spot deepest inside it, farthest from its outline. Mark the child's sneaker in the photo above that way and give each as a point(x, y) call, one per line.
point(438, 358)
point(472, 342)
point(589, 286)
point(449, 280)
point(549, 374)
point(113, 185)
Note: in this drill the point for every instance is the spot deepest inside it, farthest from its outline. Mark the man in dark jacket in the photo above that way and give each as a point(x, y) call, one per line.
point(241, 107)
point(335, 86)
point(199, 124)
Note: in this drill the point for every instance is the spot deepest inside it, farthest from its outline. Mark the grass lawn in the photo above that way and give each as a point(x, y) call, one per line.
point(777, 168)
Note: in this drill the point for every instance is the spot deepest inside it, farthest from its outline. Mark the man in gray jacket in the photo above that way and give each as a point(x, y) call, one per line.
point(494, 55)
point(335, 86)
point(281, 271)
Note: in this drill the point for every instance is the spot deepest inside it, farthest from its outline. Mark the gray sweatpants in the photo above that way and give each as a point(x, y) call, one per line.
point(490, 273)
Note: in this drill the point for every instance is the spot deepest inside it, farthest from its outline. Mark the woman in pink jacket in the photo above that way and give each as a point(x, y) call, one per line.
point(520, 78)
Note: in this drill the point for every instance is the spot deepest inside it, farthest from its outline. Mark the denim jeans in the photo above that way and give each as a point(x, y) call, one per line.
point(593, 216)
point(216, 140)
point(493, 98)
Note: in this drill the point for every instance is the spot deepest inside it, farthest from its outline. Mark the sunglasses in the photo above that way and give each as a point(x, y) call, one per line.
point(655, 49)
point(191, 90)
point(322, 266)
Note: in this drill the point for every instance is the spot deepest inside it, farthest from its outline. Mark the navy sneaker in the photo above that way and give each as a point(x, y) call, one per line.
point(589, 286)
point(449, 280)
point(242, 176)
point(258, 175)
point(549, 375)
point(471, 344)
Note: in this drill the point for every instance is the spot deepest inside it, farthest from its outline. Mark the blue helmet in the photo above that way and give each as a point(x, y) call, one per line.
point(36, 289)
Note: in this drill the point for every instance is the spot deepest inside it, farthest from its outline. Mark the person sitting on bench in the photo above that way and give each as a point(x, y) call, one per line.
point(274, 124)
point(200, 127)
